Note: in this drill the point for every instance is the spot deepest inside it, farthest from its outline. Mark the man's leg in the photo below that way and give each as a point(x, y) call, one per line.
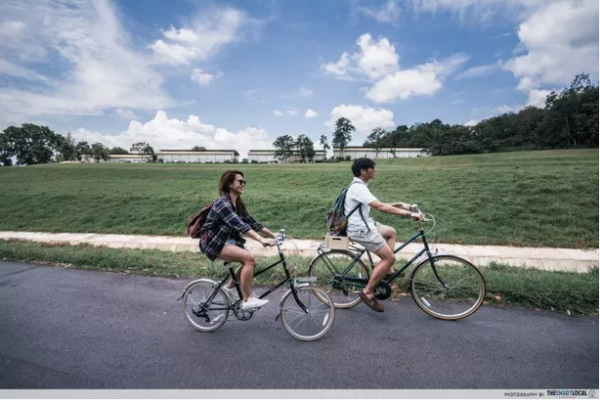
point(382, 268)
point(389, 234)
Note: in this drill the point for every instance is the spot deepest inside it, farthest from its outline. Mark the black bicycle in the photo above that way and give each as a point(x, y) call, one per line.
point(443, 285)
point(306, 311)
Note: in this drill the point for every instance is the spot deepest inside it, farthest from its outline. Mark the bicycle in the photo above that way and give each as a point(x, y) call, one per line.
point(306, 311)
point(443, 285)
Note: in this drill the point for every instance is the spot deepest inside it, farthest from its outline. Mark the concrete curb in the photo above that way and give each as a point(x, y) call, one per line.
point(549, 259)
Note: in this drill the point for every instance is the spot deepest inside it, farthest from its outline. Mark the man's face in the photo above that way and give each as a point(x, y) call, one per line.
point(368, 173)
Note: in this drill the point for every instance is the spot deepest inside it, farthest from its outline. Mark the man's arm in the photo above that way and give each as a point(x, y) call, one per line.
point(389, 208)
point(406, 206)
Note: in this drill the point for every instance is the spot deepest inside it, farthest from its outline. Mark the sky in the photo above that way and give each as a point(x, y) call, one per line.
point(238, 74)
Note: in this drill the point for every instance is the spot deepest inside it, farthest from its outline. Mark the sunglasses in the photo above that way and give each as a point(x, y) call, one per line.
point(241, 181)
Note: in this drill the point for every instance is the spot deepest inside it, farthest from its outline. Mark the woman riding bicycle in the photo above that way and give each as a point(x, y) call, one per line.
point(221, 235)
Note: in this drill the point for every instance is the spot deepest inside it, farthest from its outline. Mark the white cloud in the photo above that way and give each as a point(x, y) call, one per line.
point(205, 36)
point(339, 69)
point(126, 114)
point(164, 133)
point(560, 40)
point(458, 101)
point(389, 12)
point(471, 122)
point(477, 11)
point(292, 112)
point(305, 92)
point(479, 71)
point(379, 62)
point(19, 71)
point(537, 98)
point(100, 69)
point(423, 80)
point(374, 60)
point(310, 113)
point(364, 119)
point(277, 113)
point(503, 35)
point(204, 78)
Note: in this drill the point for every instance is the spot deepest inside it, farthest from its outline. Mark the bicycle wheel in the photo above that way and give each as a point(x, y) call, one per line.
point(203, 316)
point(311, 324)
point(453, 290)
point(331, 268)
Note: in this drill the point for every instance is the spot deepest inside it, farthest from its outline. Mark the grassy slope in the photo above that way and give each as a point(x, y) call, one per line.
point(545, 198)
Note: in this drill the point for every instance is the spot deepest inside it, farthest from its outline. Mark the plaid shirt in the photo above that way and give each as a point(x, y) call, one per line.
point(223, 224)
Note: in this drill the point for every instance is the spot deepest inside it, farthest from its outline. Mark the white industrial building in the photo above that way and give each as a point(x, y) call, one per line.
point(202, 156)
point(127, 158)
point(268, 156)
point(383, 153)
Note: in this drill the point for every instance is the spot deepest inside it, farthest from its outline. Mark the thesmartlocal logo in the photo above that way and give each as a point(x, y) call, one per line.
point(572, 393)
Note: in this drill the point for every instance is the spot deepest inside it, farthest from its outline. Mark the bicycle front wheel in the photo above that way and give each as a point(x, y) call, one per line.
point(204, 315)
point(451, 288)
point(341, 276)
point(313, 323)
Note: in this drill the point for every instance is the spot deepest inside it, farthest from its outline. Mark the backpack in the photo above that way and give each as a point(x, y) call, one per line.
point(337, 220)
point(196, 221)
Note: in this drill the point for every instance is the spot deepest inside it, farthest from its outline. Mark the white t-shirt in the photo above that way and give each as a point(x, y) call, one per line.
point(359, 193)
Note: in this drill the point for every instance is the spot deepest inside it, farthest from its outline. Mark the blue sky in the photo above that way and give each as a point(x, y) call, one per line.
point(233, 74)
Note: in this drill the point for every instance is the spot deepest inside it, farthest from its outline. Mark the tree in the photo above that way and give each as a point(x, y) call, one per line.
point(143, 148)
point(342, 134)
point(99, 152)
point(284, 146)
point(84, 151)
point(198, 148)
point(29, 144)
point(118, 150)
point(305, 148)
point(376, 139)
point(67, 148)
point(324, 144)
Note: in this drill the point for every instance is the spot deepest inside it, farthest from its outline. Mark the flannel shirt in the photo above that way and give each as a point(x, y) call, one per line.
point(223, 224)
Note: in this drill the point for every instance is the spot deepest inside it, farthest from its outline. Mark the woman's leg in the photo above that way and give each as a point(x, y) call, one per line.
point(232, 253)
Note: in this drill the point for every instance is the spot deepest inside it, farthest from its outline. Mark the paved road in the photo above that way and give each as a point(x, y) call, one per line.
point(62, 328)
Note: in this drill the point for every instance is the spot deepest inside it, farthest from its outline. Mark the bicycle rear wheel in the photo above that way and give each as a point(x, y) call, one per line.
point(202, 315)
point(313, 323)
point(331, 269)
point(451, 289)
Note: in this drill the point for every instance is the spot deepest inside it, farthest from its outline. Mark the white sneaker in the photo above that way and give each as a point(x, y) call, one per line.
point(231, 293)
point(253, 302)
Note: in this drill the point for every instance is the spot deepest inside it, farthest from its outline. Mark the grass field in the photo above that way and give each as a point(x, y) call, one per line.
point(544, 198)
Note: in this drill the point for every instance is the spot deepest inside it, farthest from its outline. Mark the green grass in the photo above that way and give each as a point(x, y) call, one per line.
point(543, 198)
point(567, 292)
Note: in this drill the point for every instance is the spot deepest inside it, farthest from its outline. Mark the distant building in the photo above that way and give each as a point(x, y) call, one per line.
point(202, 156)
point(126, 158)
point(268, 156)
point(383, 153)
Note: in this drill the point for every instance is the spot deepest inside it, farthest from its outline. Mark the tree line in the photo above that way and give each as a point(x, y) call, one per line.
point(569, 119)
point(33, 144)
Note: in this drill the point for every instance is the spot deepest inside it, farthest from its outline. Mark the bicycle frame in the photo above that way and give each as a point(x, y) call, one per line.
point(425, 249)
point(287, 279)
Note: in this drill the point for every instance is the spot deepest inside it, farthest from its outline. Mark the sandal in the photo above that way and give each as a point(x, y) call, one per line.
point(372, 303)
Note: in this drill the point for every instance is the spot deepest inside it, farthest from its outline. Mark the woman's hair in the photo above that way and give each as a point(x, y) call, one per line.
point(225, 187)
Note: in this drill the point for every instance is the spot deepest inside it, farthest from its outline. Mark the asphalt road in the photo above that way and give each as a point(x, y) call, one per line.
point(64, 328)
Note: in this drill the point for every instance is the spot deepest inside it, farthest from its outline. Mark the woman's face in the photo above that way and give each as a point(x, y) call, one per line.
point(237, 186)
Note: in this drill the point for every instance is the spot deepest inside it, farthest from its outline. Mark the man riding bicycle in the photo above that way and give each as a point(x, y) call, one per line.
point(373, 236)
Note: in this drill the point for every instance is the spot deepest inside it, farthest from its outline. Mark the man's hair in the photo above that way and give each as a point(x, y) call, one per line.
point(361, 163)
